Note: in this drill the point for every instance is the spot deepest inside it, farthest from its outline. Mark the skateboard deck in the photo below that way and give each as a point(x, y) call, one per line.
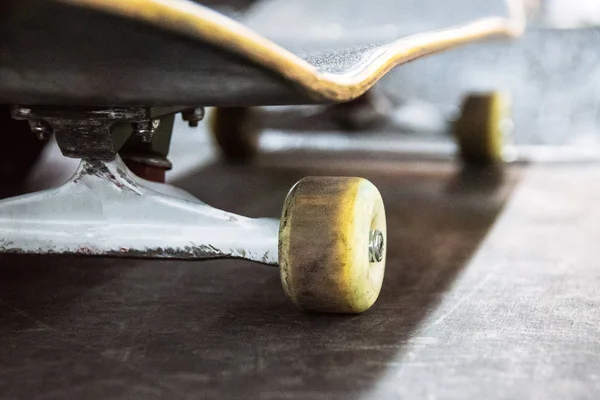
point(178, 52)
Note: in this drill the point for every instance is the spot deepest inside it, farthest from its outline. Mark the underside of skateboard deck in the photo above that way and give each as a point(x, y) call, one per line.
point(176, 52)
point(98, 73)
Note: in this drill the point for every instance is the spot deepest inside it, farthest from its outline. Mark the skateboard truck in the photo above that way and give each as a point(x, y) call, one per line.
point(106, 210)
point(330, 243)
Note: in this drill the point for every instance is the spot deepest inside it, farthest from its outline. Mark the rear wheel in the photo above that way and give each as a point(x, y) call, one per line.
point(481, 128)
point(236, 131)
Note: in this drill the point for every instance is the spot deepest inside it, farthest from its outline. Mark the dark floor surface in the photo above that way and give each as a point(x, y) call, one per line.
point(449, 323)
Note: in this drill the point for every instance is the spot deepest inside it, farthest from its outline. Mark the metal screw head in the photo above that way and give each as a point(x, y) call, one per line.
point(376, 244)
point(40, 128)
point(19, 112)
point(146, 129)
point(193, 116)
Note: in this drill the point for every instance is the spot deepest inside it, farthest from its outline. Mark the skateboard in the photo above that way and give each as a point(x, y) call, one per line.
point(107, 77)
point(355, 24)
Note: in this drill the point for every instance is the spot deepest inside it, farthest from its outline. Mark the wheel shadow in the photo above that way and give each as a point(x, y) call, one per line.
point(224, 329)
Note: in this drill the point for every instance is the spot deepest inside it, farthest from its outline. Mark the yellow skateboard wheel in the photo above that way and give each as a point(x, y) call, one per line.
point(235, 130)
point(332, 244)
point(480, 128)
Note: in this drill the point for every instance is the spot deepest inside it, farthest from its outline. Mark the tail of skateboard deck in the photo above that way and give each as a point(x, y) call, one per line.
point(177, 52)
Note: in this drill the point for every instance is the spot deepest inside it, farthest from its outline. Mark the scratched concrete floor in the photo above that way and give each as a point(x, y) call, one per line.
point(490, 292)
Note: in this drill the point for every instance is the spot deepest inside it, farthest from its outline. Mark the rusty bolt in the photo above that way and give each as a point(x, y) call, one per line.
point(193, 116)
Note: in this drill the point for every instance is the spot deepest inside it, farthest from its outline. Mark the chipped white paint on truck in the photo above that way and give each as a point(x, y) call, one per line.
point(105, 210)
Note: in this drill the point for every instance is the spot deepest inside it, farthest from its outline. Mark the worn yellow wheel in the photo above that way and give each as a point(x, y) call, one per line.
point(481, 128)
point(235, 130)
point(332, 243)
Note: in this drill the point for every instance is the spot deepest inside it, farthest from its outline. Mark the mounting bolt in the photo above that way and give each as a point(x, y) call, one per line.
point(146, 129)
point(193, 116)
point(375, 246)
point(19, 112)
point(40, 128)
